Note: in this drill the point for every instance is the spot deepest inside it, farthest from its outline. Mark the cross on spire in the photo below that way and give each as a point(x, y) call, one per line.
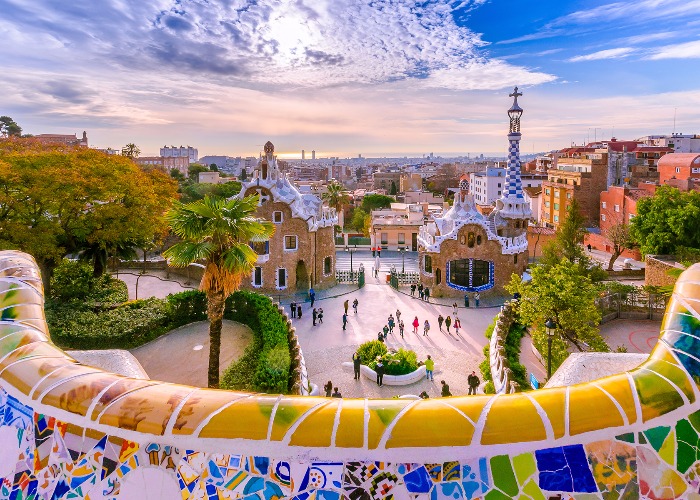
point(515, 95)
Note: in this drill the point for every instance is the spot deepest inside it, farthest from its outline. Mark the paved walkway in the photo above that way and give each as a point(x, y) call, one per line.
point(182, 356)
point(326, 346)
point(638, 336)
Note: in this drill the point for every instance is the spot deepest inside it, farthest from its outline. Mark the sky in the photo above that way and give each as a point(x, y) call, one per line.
point(349, 77)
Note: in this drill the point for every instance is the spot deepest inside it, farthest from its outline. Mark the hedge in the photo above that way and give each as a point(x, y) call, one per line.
point(400, 362)
point(264, 366)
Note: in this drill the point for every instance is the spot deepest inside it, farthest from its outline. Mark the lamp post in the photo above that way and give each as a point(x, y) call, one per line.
point(403, 255)
point(351, 250)
point(551, 328)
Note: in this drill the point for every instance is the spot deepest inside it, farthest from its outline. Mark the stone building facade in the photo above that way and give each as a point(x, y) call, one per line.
point(464, 251)
point(301, 252)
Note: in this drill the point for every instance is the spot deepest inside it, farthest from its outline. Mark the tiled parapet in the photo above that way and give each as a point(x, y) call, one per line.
point(69, 428)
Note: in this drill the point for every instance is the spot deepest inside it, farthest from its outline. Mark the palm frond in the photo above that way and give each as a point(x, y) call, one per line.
point(186, 252)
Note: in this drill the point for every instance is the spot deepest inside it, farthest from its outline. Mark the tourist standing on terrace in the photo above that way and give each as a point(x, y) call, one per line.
point(415, 325)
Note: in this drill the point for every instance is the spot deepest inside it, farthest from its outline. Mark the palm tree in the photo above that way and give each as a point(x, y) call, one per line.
point(335, 196)
point(216, 232)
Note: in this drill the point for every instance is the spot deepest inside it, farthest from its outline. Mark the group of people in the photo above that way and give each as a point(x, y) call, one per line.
point(423, 292)
point(391, 323)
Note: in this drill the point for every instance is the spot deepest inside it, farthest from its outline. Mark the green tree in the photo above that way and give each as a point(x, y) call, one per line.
point(214, 167)
point(568, 244)
point(177, 175)
point(244, 175)
point(131, 150)
point(217, 232)
point(393, 189)
point(193, 171)
point(8, 127)
point(57, 200)
point(358, 219)
point(562, 294)
point(666, 221)
point(376, 201)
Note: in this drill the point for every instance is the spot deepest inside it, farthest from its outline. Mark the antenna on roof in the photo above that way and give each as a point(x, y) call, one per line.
point(674, 120)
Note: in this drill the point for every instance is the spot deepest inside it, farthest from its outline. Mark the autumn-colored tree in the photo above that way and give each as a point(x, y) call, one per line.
point(58, 200)
point(620, 237)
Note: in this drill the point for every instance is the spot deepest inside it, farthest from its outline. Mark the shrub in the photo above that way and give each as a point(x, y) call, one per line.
point(369, 352)
point(124, 327)
point(73, 282)
point(187, 307)
point(269, 362)
point(400, 363)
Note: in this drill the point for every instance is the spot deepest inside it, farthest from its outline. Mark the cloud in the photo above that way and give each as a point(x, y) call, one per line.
point(274, 44)
point(604, 54)
point(688, 50)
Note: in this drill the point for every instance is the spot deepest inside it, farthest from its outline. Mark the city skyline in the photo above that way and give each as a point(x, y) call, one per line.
point(352, 77)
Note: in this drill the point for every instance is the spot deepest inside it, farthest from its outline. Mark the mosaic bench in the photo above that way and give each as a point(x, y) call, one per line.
point(72, 431)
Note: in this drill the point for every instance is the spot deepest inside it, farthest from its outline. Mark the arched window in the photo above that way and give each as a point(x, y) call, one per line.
point(428, 264)
point(515, 258)
point(478, 239)
point(470, 240)
point(438, 276)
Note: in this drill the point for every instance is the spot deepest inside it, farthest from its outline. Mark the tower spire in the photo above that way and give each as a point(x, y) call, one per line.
point(512, 203)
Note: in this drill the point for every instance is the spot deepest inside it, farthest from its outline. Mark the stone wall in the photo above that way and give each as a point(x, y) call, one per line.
point(488, 250)
point(657, 267)
point(73, 431)
point(304, 263)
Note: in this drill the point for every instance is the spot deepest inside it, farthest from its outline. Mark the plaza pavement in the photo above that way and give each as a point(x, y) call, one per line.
point(326, 346)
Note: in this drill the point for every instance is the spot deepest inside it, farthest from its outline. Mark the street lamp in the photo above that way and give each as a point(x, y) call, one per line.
point(551, 328)
point(351, 250)
point(403, 254)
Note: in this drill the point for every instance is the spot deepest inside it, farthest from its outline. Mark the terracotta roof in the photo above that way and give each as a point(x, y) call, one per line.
point(653, 149)
point(620, 145)
point(680, 160)
point(533, 191)
point(541, 230)
point(636, 194)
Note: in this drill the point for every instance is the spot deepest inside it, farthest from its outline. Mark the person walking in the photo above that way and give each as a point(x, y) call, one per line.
point(429, 367)
point(457, 325)
point(328, 388)
point(426, 328)
point(386, 331)
point(415, 325)
point(390, 322)
point(473, 382)
point(299, 311)
point(312, 296)
point(445, 392)
point(356, 364)
point(346, 304)
point(320, 314)
point(413, 289)
point(477, 296)
point(448, 322)
point(345, 320)
point(354, 305)
point(401, 326)
point(426, 294)
point(420, 290)
point(314, 315)
point(454, 310)
point(466, 300)
point(336, 393)
point(440, 321)
point(379, 368)
point(398, 315)
point(293, 308)
point(380, 336)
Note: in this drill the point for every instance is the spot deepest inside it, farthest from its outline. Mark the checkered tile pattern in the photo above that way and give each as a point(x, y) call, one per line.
point(513, 187)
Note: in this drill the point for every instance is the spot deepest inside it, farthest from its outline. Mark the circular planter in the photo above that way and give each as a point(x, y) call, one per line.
point(408, 379)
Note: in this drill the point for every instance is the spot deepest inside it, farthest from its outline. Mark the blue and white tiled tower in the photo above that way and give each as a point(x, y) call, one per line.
point(512, 204)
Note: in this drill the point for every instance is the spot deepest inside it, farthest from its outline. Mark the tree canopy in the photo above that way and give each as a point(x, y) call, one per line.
point(376, 201)
point(57, 200)
point(566, 296)
point(667, 221)
point(8, 127)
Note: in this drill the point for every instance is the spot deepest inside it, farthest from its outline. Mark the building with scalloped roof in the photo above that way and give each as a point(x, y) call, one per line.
point(301, 252)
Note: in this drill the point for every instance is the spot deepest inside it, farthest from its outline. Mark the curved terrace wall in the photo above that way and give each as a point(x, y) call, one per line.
point(72, 430)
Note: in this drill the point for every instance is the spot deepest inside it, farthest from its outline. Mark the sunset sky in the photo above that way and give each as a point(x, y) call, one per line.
point(345, 77)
